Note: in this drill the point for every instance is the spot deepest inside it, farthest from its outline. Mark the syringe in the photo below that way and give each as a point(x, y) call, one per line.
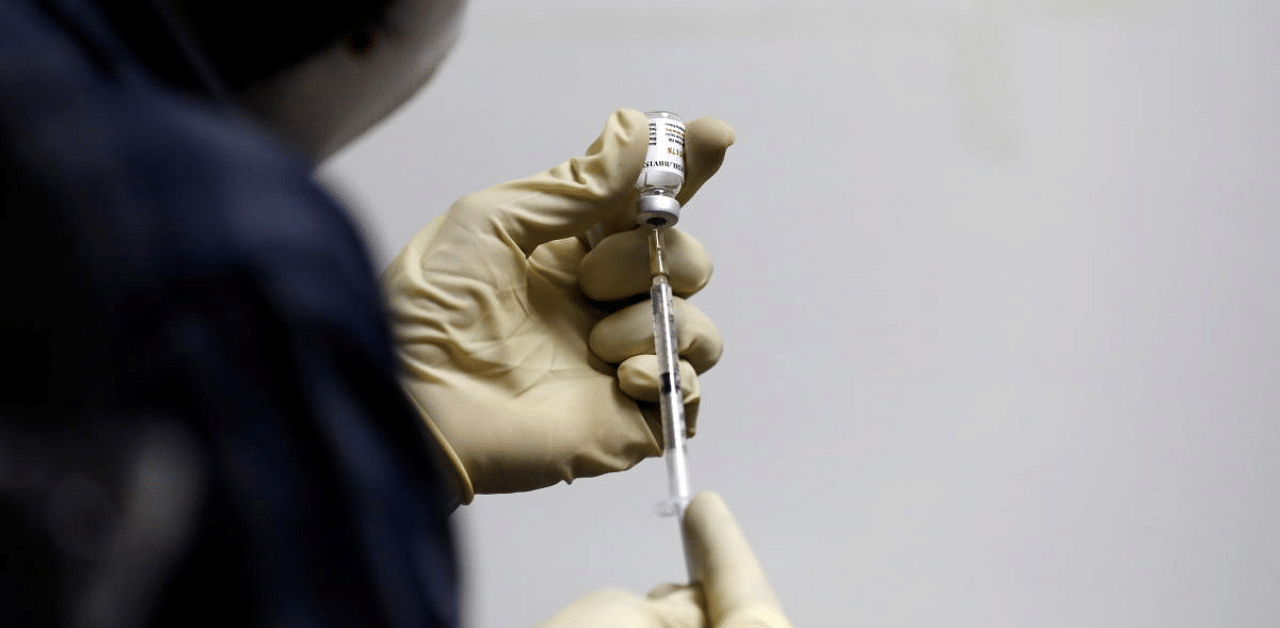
point(657, 209)
point(671, 393)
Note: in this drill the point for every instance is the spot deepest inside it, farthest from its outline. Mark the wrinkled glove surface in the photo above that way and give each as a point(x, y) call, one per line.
point(524, 353)
point(731, 589)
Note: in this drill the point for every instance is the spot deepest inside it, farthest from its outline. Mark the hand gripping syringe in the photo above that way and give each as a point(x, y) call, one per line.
point(657, 209)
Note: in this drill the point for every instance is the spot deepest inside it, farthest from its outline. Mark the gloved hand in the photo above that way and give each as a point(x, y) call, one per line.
point(515, 343)
point(731, 591)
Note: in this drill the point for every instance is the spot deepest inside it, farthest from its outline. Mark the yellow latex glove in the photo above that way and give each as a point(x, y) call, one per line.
point(514, 342)
point(732, 590)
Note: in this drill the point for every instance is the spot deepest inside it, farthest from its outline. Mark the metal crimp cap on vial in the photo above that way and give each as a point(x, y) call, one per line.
point(657, 210)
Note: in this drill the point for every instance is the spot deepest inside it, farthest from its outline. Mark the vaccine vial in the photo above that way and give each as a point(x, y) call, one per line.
point(663, 171)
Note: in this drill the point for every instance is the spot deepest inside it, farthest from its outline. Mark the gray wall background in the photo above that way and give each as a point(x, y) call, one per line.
point(997, 281)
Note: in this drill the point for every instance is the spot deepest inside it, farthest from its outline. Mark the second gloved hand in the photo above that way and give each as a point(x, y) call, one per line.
point(731, 588)
point(514, 342)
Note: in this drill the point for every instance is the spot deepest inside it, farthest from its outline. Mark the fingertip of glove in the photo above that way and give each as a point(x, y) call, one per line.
point(705, 503)
point(613, 161)
point(713, 133)
point(705, 513)
point(627, 129)
point(632, 123)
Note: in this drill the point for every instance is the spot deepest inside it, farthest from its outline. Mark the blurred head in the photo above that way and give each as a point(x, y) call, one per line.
point(322, 72)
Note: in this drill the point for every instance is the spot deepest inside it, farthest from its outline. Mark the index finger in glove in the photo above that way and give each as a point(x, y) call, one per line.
point(569, 198)
point(705, 142)
point(735, 587)
point(617, 268)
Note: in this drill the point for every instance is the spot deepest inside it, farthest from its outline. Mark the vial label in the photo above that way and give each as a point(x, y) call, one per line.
point(664, 161)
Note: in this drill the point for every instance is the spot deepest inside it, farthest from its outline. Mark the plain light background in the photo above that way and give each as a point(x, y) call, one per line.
point(997, 281)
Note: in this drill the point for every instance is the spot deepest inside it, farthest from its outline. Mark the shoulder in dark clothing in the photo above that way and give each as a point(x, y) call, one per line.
point(173, 276)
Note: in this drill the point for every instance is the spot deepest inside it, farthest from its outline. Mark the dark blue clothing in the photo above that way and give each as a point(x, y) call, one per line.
point(166, 268)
